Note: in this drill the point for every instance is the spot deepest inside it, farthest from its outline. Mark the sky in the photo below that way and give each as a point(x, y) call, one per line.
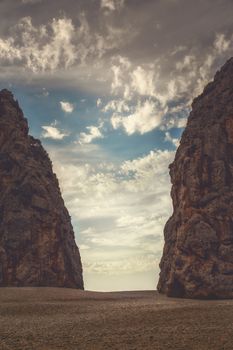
point(107, 86)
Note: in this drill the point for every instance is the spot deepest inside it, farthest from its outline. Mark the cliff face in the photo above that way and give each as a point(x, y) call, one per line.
point(197, 259)
point(37, 246)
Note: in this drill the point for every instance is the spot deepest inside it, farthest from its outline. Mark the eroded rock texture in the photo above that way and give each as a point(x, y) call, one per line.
point(37, 246)
point(197, 259)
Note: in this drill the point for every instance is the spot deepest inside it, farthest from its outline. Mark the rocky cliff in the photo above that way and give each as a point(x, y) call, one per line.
point(197, 259)
point(37, 246)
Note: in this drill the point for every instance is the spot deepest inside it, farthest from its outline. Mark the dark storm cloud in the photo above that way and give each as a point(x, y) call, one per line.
point(159, 34)
point(162, 26)
point(159, 24)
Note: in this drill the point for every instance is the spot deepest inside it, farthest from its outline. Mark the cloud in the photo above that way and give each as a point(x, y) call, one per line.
point(176, 117)
point(58, 48)
point(153, 164)
point(143, 81)
point(77, 49)
point(83, 247)
point(140, 263)
point(222, 44)
point(126, 220)
point(92, 134)
point(120, 70)
point(30, 1)
point(109, 4)
point(112, 5)
point(45, 92)
point(139, 81)
point(8, 52)
point(40, 48)
point(171, 139)
point(52, 132)
point(123, 186)
point(98, 102)
point(116, 106)
point(146, 117)
point(120, 209)
point(153, 102)
point(60, 44)
point(67, 107)
point(148, 99)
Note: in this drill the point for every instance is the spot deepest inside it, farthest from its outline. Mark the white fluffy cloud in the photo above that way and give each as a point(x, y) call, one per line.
point(93, 133)
point(8, 52)
point(113, 193)
point(146, 117)
point(145, 98)
point(143, 81)
point(112, 5)
point(67, 107)
point(57, 49)
point(121, 209)
point(59, 44)
point(141, 84)
point(221, 43)
point(52, 132)
point(118, 106)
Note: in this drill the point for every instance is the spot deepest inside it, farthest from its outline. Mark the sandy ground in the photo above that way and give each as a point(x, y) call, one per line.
point(52, 318)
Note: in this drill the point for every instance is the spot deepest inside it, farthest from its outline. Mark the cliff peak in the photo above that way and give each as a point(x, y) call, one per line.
point(197, 258)
point(37, 245)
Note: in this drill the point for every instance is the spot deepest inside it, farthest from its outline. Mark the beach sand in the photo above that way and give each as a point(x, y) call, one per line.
point(57, 318)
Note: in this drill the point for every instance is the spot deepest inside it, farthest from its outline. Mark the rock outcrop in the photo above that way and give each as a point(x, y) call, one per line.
point(197, 259)
point(37, 246)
